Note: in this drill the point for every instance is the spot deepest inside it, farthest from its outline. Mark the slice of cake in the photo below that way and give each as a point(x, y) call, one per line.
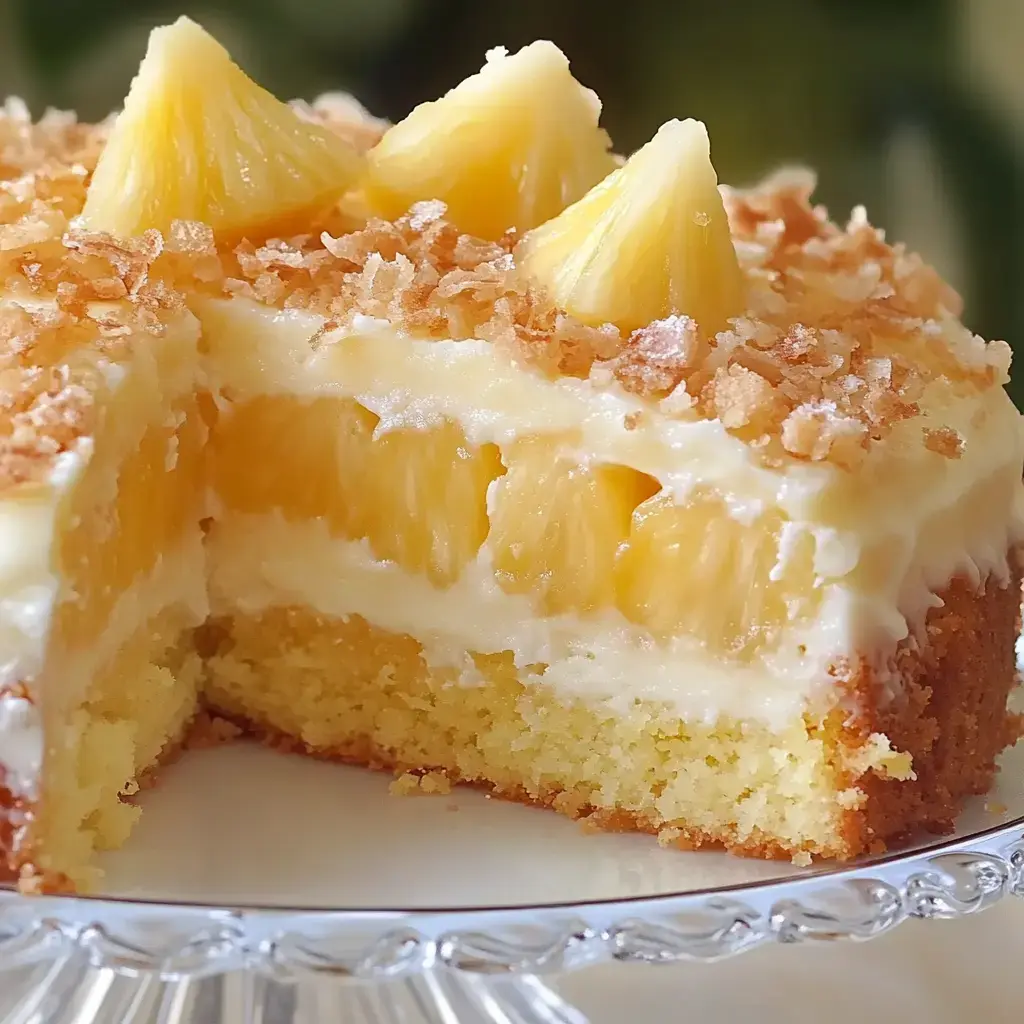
point(101, 552)
point(479, 453)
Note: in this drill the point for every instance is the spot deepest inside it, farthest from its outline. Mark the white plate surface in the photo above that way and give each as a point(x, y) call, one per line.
point(245, 825)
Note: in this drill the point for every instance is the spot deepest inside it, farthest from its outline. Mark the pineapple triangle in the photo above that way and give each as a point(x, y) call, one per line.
point(509, 147)
point(198, 140)
point(650, 240)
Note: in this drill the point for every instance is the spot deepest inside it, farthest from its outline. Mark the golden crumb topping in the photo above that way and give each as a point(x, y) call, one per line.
point(46, 403)
point(842, 334)
point(842, 331)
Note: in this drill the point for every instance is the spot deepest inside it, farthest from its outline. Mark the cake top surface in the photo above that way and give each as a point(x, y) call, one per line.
point(838, 336)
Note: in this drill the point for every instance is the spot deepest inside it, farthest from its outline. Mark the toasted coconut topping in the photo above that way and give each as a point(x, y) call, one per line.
point(945, 442)
point(842, 335)
point(46, 403)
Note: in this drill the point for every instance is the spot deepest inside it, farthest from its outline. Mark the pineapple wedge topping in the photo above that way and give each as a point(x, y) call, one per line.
point(199, 140)
point(511, 146)
point(650, 240)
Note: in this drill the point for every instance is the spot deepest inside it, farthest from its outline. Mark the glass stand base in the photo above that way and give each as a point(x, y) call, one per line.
point(70, 991)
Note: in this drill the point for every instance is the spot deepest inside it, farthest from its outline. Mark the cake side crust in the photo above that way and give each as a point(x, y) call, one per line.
point(953, 717)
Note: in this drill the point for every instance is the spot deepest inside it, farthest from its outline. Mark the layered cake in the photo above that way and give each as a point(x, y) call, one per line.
point(466, 449)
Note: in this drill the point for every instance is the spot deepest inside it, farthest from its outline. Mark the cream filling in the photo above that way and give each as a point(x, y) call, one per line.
point(905, 521)
point(262, 561)
point(178, 579)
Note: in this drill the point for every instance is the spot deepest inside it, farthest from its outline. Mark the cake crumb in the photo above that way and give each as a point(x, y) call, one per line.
point(668, 837)
point(436, 782)
point(405, 784)
point(432, 783)
point(802, 859)
point(996, 807)
point(30, 881)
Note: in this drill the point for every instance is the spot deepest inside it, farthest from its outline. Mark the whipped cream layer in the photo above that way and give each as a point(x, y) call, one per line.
point(887, 537)
point(262, 561)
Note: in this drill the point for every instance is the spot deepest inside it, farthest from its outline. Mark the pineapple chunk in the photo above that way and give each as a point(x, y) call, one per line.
point(424, 502)
point(511, 146)
point(108, 547)
point(419, 496)
point(306, 459)
point(557, 525)
point(695, 570)
point(650, 240)
point(198, 140)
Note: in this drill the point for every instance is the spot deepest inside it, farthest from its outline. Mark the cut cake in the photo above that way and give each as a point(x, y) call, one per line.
point(466, 447)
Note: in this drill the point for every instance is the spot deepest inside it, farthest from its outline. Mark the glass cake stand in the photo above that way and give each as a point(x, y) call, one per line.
point(266, 888)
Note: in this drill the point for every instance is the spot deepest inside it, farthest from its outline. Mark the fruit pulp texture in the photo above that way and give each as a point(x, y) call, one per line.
point(577, 538)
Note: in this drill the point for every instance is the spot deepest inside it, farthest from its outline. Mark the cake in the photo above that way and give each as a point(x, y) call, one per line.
point(469, 450)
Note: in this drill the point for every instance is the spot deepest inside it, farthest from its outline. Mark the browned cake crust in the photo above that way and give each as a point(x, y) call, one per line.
point(954, 719)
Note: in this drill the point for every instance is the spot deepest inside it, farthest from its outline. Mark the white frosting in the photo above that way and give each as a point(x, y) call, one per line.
point(28, 586)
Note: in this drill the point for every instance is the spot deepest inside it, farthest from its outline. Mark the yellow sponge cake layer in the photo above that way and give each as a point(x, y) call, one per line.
point(344, 689)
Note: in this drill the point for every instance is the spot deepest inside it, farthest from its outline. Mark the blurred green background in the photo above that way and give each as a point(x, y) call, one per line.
point(913, 107)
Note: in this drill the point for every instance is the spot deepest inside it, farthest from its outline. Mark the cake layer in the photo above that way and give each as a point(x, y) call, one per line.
point(345, 688)
point(135, 709)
